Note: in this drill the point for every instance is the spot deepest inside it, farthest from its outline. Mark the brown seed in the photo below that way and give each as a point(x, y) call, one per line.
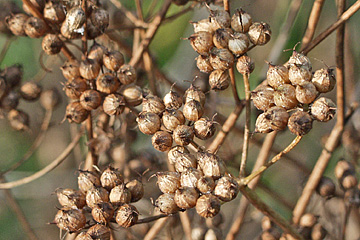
point(208, 206)
point(35, 27)
point(87, 180)
point(299, 74)
point(285, 96)
point(324, 80)
point(18, 120)
point(204, 128)
point(148, 122)
point(190, 177)
point(266, 223)
point(308, 220)
point(136, 189)
point(89, 69)
point(113, 60)
point(99, 231)
point(326, 187)
point(239, 43)
point(70, 69)
point(76, 113)
point(203, 25)
point(205, 184)
point(194, 93)
point(221, 59)
point(127, 215)
point(278, 117)
point(110, 178)
point(306, 92)
point(114, 104)
point(348, 180)
point(263, 124)
point(54, 12)
point(16, 23)
point(193, 110)
point(127, 74)
point(226, 189)
point(186, 197)
point(153, 104)
point(221, 37)
point(69, 33)
point(241, 21)
point(183, 135)
point(83, 236)
point(74, 88)
point(70, 219)
point(263, 97)
point(100, 18)
point(323, 109)
point(92, 31)
point(162, 141)
point(96, 195)
point(211, 165)
point(300, 123)
point(13, 75)
point(168, 182)
point(71, 198)
point(277, 75)
point(133, 95)
point(50, 99)
point(172, 100)
point(30, 91)
point(120, 195)
point(245, 65)
point(341, 167)
point(259, 33)
point(318, 232)
point(203, 64)
point(102, 212)
point(166, 203)
point(184, 162)
point(96, 52)
point(201, 42)
point(175, 152)
point(52, 44)
point(90, 99)
point(75, 18)
point(220, 19)
point(300, 60)
point(219, 80)
point(107, 83)
point(172, 118)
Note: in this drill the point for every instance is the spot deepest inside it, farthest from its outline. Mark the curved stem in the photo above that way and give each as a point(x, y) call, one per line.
point(247, 126)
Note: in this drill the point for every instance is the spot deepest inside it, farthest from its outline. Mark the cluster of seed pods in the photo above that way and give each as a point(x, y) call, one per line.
point(293, 87)
point(102, 198)
point(222, 40)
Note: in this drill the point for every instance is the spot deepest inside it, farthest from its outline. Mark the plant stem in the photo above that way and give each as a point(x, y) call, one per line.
point(233, 86)
point(155, 229)
point(312, 22)
point(185, 222)
point(247, 126)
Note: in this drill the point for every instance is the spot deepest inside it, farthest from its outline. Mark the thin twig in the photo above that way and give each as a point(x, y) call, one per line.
point(84, 36)
point(227, 5)
point(151, 219)
point(233, 86)
point(5, 48)
point(56, 162)
point(185, 222)
point(346, 220)
point(155, 229)
point(180, 13)
point(312, 23)
point(92, 158)
point(130, 15)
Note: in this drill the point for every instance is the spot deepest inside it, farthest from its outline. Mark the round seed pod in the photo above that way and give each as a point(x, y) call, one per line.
point(75, 18)
point(186, 197)
point(52, 44)
point(348, 180)
point(262, 124)
point(119, 195)
point(201, 42)
point(166, 203)
point(239, 43)
point(168, 182)
point(70, 219)
point(10, 101)
point(87, 180)
point(205, 184)
point(90, 99)
point(110, 178)
point(172, 100)
point(278, 117)
point(16, 23)
point(18, 120)
point(341, 167)
point(226, 189)
point(54, 12)
point(97, 52)
point(219, 19)
point(300, 60)
point(193, 110)
point(13, 75)
point(99, 231)
point(324, 80)
point(306, 92)
point(89, 69)
point(30, 91)
point(83, 236)
point(198, 232)
point(266, 223)
point(221, 59)
point(259, 33)
point(175, 152)
point(136, 189)
point(241, 21)
point(263, 97)
point(326, 187)
point(133, 95)
point(71, 198)
point(75, 87)
point(184, 162)
point(69, 33)
point(183, 135)
point(208, 206)
point(100, 18)
point(318, 232)
point(203, 64)
point(96, 195)
point(127, 215)
point(114, 104)
point(148, 122)
point(219, 80)
point(300, 123)
point(277, 75)
point(194, 93)
point(270, 234)
point(107, 83)
point(76, 113)
point(308, 220)
point(49, 99)
point(190, 177)
point(92, 31)
point(127, 74)
point(285, 96)
point(35, 27)
point(221, 37)
point(113, 60)
point(211, 165)
point(299, 74)
point(203, 25)
point(162, 141)
point(245, 65)
point(323, 109)
point(204, 128)
point(153, 104)
point(70, 69)
point(172, 118)
point(102, 212)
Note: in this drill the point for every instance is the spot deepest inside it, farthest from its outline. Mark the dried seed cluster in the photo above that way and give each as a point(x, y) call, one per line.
point(292, 86)
point(105, 196)
point(222, 40)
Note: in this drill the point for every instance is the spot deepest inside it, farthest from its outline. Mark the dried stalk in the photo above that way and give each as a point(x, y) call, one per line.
point(233, 86)
point(185, 222)
point(155, 229)
point(312, 23)
point(151, 219)
point(247, 126)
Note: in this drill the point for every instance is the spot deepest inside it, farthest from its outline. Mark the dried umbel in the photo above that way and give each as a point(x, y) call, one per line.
point(205, 184)
point(133, 95)
point(241, 21)
point(168, 182)
point(113, 60)
point(54, 12)
point(87, 180)
point(76, 113)
point(70, 219)
point(226, 189)
point(100, 18)
point(186, 197)
point(326, 187)
point(221, 59)
point(211, 165)
point(18, 120)
point(90, 99)
point(324, 80)
point(172, 118)
point(97, 52)
point(172, 100)
point(70, 69)
point(75, 18)
point(102, 212)
point(166, 203)
point(35, 27)
point(120, 195)
point(99, 231)
point(219, 80)
point(183, 135)
point(221, 37)
point(107, 83)
point(201, 42)
point(285, 96)
point(148, 122)
point(193, 110)
point(176, 152)
point(203, 25)
point(96, 195)
point(16, 23)
point(162, 141)
point(277, 75)
point(52, 44)
point(110, 178)
point(220, 19)
point(239, 44)
point(194, 93)
point(278, 118)
point(259, 33)
point(245, 65)
point(190, 177)
point(204, 128)
point(114, 104)
point(153, 104)
point(71, 198)
point(75, 87)
point(49, 99)
point(127, 215)
point(127, 74)
point(30, 91)
point(299, 74)
point(263, 97)
point(10, 101)
point(306, 92)
point(208, 206)
point(300, 123)
point(89, 69)
point(184, 162)
point(136, 189)
point(203, 64)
